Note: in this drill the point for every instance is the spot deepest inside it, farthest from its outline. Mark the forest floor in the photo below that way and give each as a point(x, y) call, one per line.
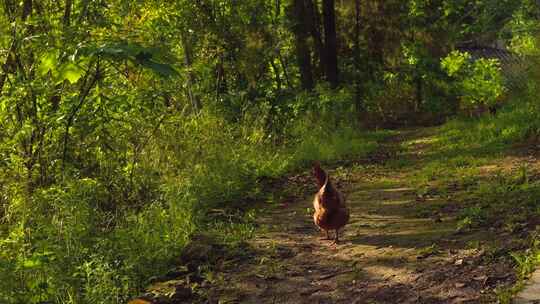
point(401, 245)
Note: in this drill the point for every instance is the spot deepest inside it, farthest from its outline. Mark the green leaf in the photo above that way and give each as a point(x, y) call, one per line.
point(32, 262)
point(147, 57)
point(161, 69)
point(48, 62)
point(70, 72)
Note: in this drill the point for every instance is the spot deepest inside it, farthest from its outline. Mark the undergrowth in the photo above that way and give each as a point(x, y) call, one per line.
point(100, 237)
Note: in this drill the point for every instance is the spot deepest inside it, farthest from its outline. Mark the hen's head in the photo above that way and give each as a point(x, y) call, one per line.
point(319, 174)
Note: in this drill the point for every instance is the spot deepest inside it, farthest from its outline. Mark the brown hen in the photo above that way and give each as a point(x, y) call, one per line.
point(330, 210)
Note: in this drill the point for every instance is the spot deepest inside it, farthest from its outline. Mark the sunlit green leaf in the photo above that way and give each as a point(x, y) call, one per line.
point(48, 62)
point(32, 263)
point(70, 72)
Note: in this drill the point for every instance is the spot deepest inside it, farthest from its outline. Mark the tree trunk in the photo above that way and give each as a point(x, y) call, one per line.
point(285, 72)
point(67, 13)
point(314, 26)
point(302, 49)
point(357, 80)
point(221, 78)
point(3, 77)
point(419, 91)
point(27, 9)
point(330, 40)
point(377, 39)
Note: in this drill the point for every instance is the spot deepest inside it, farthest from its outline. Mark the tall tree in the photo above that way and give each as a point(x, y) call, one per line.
point(303, 53)
point(356, 51)
point(314, 25)
point(330, 41)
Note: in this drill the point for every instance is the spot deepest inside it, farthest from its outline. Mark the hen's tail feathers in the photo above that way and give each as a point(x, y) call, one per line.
point(329, 193)
point(320, 175)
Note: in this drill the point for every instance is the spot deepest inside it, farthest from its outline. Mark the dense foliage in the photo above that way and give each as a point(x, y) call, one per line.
point(123, 122)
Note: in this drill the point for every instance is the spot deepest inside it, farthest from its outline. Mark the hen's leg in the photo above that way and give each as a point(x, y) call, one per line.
point(327, 235)
point(336, 239)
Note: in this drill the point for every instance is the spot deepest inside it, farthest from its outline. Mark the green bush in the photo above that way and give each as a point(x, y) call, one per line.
point(477, 83)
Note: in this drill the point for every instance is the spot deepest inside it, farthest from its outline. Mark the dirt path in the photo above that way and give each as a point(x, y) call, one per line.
point(400, 246)
point(392, 251)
